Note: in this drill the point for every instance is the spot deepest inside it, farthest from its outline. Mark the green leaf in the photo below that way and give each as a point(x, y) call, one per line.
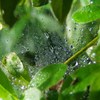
point(97, 2)
point(61, 8)
point(48, 76)
point(15, 68)
point(13, 64)
point(37, 3)
point(4, 81)
point(52, 95)
point(83, 80)
point(95, 89)
point(87, 14)
point(9, 37)
point(96, 53)
point(8, 6)
point(5, 95)
point(32, 94)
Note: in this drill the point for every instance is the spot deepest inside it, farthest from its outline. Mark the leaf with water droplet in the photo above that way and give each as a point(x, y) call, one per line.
point(87, 14)
point(48, 76)
point(13, 64)
point(96, 53)
point(84, 80)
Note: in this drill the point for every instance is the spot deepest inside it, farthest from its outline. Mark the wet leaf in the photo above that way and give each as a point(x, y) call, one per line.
point(87, 14)
point(96, 53)
point(38, 3)
point(48, 76)
point(13, 64)
point(79, 35)
point(61, 8)
point(86, 77)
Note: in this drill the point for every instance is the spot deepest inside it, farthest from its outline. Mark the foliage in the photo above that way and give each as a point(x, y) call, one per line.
point(92, 10)
point(38, 61)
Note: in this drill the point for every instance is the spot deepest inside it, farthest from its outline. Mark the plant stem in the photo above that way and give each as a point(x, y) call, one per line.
point(82, 50)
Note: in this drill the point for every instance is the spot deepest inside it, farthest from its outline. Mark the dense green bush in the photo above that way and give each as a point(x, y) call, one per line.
point(49, 49)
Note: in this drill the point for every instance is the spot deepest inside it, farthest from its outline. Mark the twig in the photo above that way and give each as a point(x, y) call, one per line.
point(82, 50)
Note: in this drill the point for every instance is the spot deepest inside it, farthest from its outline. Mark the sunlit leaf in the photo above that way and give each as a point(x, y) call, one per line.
point(87, 14)
point(61, 8)
point(48, 76)
point(4, 81)
point(5, 95)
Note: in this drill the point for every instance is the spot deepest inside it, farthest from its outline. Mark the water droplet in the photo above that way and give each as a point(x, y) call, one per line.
point(71, 46)
point(46, 35)
point(93, 55)
point(90, 29)
point(23, 87)
point(91, 2)
point(71, 93)
point(76, 64)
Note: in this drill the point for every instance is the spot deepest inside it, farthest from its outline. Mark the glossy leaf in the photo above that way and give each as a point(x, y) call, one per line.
point(38, 3)
point(48, 76)
point(32, 94)
point(79, 35)
point(87, 14)
point(83, 80)
point(61, 8)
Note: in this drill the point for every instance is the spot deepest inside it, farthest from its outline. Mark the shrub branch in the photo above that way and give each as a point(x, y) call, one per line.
point(82, 50)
